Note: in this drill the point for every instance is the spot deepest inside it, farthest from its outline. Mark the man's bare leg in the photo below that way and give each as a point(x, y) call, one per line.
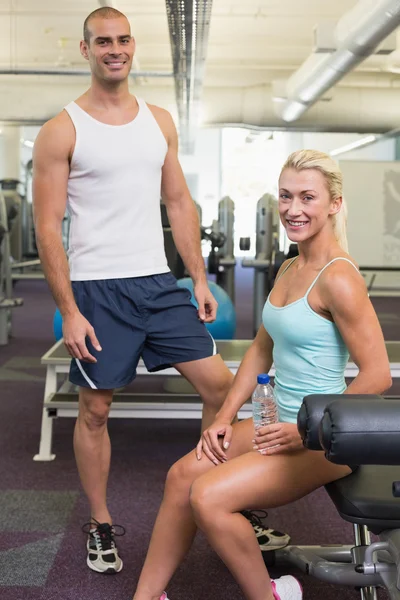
point(212, 379)
point(93, 449)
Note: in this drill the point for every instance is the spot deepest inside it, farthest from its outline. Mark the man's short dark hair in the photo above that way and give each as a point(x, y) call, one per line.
point(105, 12)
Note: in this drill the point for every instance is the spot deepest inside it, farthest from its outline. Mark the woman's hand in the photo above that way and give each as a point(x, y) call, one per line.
point(214, 441)
point(278, 438)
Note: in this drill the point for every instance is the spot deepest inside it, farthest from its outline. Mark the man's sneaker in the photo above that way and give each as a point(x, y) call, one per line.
point(287, 588)
point(268, 539)
point(102, 552)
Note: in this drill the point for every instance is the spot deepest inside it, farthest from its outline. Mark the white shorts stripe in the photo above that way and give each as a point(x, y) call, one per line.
point(90, 382)
point(214, 344)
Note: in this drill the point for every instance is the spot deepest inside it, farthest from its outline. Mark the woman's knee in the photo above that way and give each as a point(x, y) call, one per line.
point(205, 502)
point(181, 476)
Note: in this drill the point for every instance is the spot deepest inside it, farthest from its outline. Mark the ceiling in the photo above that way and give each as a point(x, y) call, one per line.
point(252, 45)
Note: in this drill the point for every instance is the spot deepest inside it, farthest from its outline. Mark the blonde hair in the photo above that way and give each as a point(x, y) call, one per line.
point(313, 159)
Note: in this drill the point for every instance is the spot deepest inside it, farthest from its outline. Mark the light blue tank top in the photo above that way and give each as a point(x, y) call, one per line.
point(309, 353)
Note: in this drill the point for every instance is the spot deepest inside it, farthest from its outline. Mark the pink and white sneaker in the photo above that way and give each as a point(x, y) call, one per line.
point(287, 588)
point(164, 596)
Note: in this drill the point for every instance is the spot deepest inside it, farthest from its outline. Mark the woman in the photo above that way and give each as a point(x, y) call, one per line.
point(317, 313)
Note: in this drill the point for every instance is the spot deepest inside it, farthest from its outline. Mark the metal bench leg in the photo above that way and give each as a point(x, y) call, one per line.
point(369, 593)
point(46, 433)
point(363, 538)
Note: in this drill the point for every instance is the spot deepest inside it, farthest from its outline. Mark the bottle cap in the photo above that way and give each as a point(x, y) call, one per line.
point(263, 379)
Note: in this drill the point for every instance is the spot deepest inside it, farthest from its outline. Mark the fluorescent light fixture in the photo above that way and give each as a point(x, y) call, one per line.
point(27, 143)
point(369, 139)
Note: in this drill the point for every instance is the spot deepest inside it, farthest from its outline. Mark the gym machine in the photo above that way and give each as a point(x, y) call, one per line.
point(221, 260)
point(9, 211)
point(23, 251)
point(362, 431)
point(174, 259)
point(268, 256)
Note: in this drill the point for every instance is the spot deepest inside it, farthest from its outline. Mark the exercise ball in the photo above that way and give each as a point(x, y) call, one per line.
point(57, 325)
point(224, 326)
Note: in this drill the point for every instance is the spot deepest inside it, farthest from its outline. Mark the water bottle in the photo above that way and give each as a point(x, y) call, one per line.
point(265, 409)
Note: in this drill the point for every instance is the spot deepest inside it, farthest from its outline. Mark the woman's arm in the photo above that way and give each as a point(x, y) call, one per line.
point(345, 295)
point(258, 359)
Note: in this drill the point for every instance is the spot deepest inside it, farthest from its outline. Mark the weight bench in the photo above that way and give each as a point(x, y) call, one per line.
point(365, 431)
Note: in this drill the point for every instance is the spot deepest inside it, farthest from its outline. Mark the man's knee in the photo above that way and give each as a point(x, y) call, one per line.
point(94, 408)
point(217, 390)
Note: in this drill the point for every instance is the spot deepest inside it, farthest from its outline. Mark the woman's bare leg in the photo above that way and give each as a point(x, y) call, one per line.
point(175, 528)
point(254, 481)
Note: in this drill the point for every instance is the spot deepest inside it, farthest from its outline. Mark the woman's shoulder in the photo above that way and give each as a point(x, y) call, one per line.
point(341, 278)
point(284, 266)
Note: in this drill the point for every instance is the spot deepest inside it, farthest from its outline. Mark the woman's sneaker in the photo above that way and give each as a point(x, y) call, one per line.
point(287, 588)
point(102, 552)
point(268, 539)
point(164, 596)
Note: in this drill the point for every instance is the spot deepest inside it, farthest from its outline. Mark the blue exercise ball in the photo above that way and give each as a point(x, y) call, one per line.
point(57, 325)
point(224, 326)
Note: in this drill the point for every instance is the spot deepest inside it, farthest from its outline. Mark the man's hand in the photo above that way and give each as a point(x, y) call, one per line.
point(75, 330)
point(214, 441)
point(207, 303)
point(278, 438)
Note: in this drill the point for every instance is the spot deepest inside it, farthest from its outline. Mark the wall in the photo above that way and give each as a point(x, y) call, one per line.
point(372, 189)
point(203, 172)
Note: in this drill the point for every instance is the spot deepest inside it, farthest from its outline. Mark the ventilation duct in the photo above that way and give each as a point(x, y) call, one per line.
point(78, 72)
point(110, 3)
point(362, 40)
point(189, 24)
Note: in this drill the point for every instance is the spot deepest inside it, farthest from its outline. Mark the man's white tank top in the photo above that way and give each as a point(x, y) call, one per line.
point(114, 192)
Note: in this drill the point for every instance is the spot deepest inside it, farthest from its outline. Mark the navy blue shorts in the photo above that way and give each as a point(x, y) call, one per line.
point(149, 317)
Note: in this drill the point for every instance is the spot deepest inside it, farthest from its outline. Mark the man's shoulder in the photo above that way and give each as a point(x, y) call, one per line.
point(161, 114)
point(60, 122)
point(165, 122)
point(159, 110)
point(57, 132)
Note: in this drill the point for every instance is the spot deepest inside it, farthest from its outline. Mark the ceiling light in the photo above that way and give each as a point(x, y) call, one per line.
point(369, 139)
point(27, 143)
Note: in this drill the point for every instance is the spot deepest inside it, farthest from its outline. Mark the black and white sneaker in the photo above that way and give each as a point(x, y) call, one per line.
point(268, 539)
point(102, 552)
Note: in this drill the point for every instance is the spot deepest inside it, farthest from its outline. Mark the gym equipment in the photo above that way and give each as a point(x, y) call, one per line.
point(60, 398)
point(355, 430)
point(26, 263)
point(375, 271)
point(224, 327)
point(8, 213)
point(57, 325)
point(174, 260)
point(268, 257)
point(16, 216)
point(221, 260)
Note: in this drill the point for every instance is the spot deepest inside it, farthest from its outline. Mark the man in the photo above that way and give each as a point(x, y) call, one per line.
point(106, 157)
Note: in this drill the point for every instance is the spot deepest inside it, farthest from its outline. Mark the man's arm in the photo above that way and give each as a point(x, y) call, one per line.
point(184, 219)
point(50, 179)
